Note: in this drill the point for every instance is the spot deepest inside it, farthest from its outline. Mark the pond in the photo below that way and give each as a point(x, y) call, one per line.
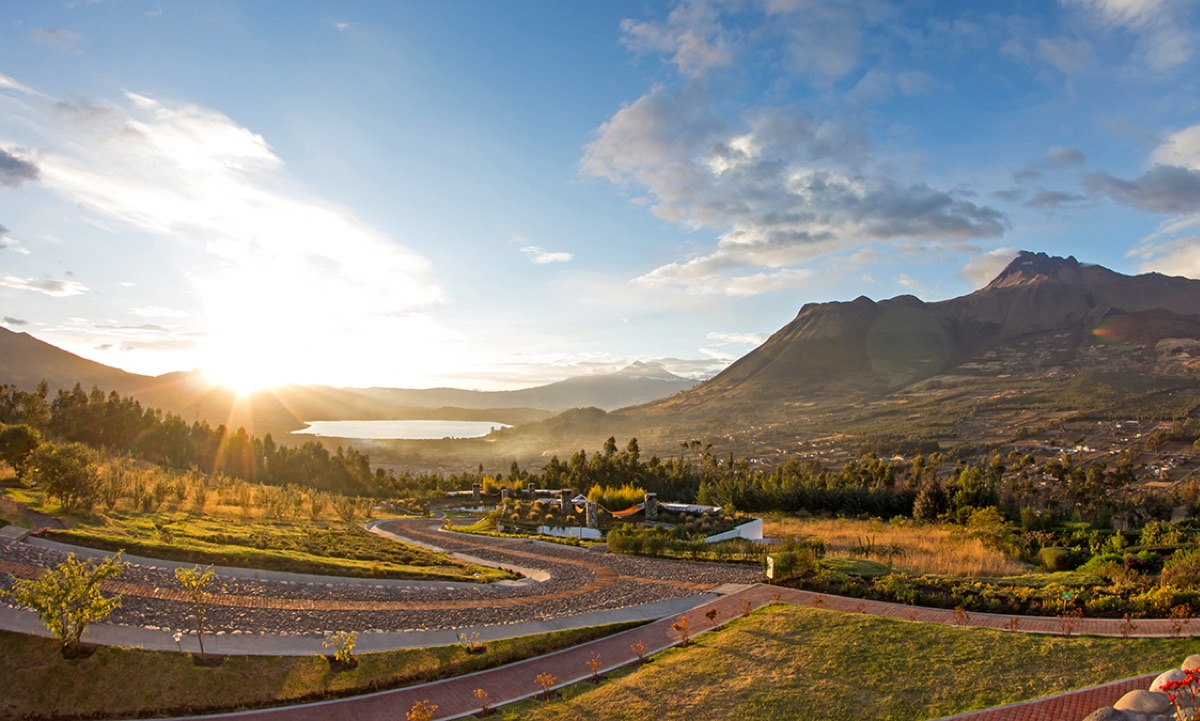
point(400, 430)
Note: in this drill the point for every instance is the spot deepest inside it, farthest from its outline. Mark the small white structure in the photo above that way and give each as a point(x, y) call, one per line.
point(752, 530)
point(587, 534)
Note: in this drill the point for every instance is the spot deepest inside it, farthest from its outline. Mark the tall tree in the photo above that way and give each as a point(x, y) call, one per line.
point(67, 471)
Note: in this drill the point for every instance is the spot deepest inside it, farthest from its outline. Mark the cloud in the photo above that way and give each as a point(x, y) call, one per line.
point(7, 242)
point(1166, 40)
point(1065, 157)
point(981, 270)
point(195, 176)
point(695, 278)
point(779, 186)
point(543, 257)
point(1181, 148)
point(824, 41)
point(14, 170)
point(9, 320)
point(341, 25)
point(911, 283)
point(877, 85)
point(691, 35)
point(58, 38)
point(1162, 189)
point(1054, 199)
point(745, 338)
point(156, 311)
point(50, 286)
point(1067, 54)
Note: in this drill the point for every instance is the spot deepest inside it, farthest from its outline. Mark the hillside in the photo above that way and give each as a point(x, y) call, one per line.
point(1049, 343)
point(25, 361)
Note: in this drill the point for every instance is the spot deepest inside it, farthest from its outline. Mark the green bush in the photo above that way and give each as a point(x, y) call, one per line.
point(1101, 564)
point(1182, 571)
point(1054, 558)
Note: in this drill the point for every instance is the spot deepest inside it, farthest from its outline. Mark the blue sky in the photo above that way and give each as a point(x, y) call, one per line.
point(497, 195)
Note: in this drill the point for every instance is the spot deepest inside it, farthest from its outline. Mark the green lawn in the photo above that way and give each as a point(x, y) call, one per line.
point(40, 684)
point(800, 663)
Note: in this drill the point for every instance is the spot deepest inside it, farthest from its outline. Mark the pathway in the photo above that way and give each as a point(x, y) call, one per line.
point(455, 697)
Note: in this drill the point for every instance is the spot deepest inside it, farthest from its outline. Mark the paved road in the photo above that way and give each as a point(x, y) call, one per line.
point(251, 611)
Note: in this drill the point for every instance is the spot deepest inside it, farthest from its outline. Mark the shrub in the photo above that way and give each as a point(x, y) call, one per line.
point(1054, 558)
point(617, 498)
point(1101, 564)
point(1182, 571)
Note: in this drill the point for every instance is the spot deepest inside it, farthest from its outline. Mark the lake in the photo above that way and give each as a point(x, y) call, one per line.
point(400, 430)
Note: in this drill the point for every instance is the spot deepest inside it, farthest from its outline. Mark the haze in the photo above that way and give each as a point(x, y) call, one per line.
point(497, 195)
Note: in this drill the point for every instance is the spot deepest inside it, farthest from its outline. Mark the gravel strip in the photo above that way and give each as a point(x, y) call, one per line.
point(569, 569)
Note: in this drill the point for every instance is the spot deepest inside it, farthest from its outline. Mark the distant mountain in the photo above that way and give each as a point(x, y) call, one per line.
point(1052, 309)
point(635, 384)
point(25, 361)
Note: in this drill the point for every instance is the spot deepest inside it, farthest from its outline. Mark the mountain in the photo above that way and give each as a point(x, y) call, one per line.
point(635, 384)
point(1048, 339)
point(25, 361)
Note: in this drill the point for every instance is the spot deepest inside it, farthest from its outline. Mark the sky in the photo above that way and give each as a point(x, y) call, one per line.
point(498, 195)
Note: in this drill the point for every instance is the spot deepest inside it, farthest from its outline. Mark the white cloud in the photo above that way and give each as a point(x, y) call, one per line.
point(54, 287)
point(291, 266)
point(982, 269)
point(1166, 39)
point(157, 311)
point(780, 187)
point(544, 257)
point(691, 35)
point(745, 338)
point(909, 282)
point(1181, 148)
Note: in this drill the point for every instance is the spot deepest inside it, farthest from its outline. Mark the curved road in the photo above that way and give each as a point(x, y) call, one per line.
point(573, 581)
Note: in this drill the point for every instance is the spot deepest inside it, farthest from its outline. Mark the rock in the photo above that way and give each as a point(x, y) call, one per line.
point(1108, 713)
point(1191, 662)
point(1167, 677)
point(1144, 702)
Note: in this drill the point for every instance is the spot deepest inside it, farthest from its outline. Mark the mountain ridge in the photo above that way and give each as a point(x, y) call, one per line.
point(864, 348)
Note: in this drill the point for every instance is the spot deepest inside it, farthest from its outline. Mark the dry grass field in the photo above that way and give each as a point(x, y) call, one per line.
point(935, 549)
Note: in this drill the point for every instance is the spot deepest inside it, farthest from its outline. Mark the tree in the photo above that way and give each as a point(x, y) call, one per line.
point(17, 444)
point(68, 472)
point(931, 501)
point(194, 582)
point(68, 597)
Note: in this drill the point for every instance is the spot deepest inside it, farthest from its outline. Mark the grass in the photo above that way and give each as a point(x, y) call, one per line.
point(933, 549)
point(298, 546)
point(804, 664)
point(40, 684)
point(227, 536)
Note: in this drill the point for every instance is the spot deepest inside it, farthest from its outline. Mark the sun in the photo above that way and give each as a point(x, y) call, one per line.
point(241, 375)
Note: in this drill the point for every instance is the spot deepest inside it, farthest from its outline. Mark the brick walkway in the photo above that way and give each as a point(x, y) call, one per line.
point(455, 697)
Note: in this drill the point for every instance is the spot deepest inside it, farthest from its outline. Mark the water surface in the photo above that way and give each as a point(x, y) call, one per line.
point(400, 430)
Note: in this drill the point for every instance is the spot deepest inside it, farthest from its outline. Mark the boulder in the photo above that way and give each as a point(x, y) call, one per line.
point(1144, 702)
point(1108, 713)
point(1167, 677)
point(1191, 662)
